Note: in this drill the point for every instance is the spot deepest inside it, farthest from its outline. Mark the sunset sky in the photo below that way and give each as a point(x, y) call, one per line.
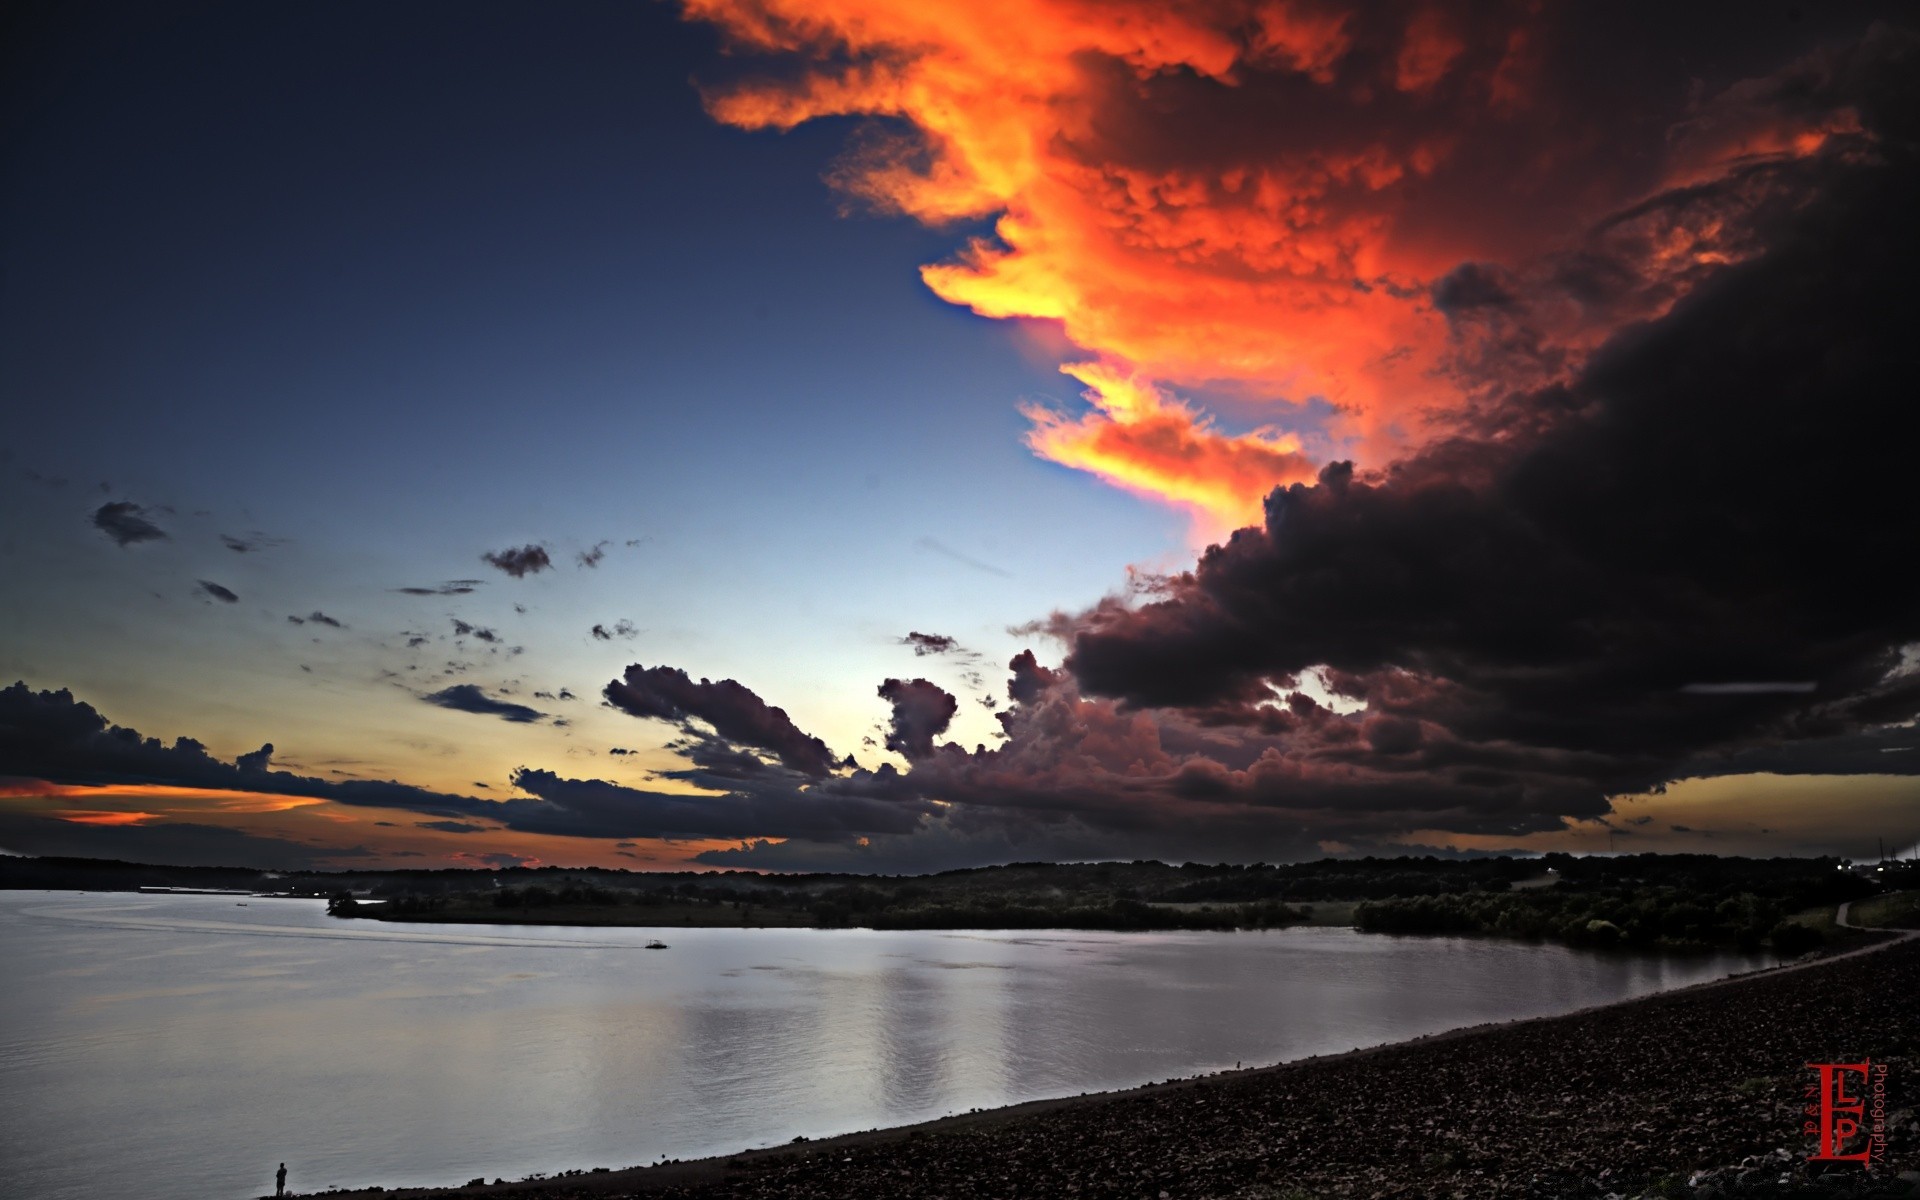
point(887, 436)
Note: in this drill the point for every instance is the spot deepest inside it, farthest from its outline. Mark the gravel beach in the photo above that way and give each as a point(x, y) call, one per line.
point(1697, 1092)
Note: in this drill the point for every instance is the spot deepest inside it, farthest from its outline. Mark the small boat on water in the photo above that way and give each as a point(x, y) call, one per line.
point(656, 944)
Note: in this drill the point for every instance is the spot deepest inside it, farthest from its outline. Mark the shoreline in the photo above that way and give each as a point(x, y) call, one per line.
point(845, 1163)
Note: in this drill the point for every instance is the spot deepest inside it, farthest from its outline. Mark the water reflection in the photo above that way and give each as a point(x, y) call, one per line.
point(192, 1044)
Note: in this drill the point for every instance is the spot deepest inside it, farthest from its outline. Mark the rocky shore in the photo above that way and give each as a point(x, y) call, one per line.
point(1694, 1093)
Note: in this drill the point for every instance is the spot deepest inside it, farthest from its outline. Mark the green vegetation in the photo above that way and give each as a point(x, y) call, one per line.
point(1632, 900)
point(1647, 901)
point(863, 905)
point(1896, 910)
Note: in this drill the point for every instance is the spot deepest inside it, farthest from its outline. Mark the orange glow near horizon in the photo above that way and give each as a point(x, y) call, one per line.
point(223, 800)
point(403, 839)
point(86, 817)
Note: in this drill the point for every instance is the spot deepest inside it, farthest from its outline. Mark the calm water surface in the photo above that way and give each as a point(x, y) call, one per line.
point(179, 1047)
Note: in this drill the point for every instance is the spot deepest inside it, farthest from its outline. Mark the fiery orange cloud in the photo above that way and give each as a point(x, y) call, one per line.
point(1138, 438)
point(1254, 195)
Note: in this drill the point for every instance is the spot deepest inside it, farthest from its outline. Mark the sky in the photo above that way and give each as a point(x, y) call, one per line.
point(878, 436)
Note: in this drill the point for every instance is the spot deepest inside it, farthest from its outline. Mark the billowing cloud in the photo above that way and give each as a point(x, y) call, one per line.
point(521, 562)
point(468, 698)
point(222, 594)
point(126, 523)
point(50, 736)
point(1686, 553)
point(921, 712)
point(1273, 200)
point(781, 802)
point(732, 709)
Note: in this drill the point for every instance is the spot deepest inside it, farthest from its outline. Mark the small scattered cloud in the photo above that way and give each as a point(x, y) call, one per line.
point(462, 629)
point(452, 826)
point(468, 698)
point(219, 593)
point(126, 523)
point(452, 587)
point(591, 557)
point(621, 629)
point(966, 560)
point(521, 562)
point(250, 544)
point(929, 643)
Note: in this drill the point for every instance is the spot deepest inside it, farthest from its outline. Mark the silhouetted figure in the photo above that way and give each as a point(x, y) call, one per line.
point(280, 1181)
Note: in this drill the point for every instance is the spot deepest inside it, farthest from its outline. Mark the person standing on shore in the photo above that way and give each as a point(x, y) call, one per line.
point(280, 1181)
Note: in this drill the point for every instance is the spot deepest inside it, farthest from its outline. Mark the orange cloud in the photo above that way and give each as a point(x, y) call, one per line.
point(1255, 195)
point(1138, 438)
point(84, 817)
point(220, 799)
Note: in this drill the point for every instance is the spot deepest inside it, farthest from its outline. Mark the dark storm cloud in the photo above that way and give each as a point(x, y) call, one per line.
point(921, 712)
point(1471, 285)
point(218, 593)
point(521, 562)
point(1711, 499)
point(777, 801)
point(467, 698)
point(734, 712)
point(126, 523)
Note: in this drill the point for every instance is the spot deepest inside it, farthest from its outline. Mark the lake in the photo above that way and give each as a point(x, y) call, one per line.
point(180, 1047)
